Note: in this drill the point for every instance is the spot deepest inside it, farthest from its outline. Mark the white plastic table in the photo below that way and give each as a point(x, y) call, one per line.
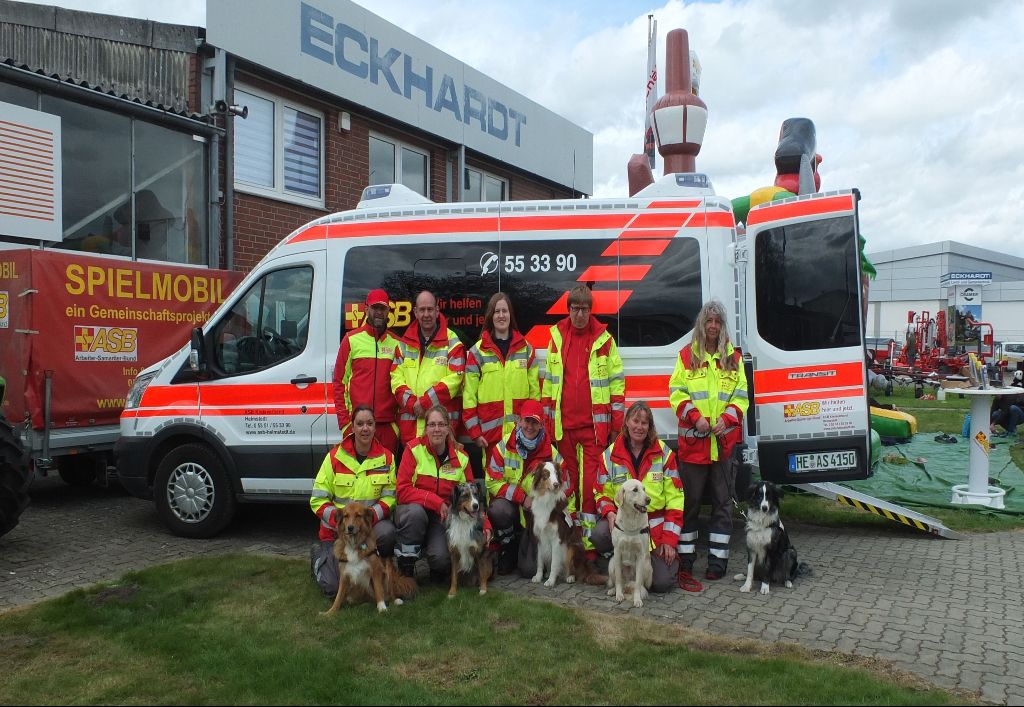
point(977, 491)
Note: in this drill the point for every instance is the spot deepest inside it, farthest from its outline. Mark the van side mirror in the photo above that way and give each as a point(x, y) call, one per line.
point(197, 356)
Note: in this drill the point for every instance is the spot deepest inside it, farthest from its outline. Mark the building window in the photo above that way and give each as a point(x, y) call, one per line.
point(394, 162)
point(279, 149)
point(481, 186)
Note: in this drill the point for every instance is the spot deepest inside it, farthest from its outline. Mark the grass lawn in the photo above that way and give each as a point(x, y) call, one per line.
point(933, 416)
point(245, 629)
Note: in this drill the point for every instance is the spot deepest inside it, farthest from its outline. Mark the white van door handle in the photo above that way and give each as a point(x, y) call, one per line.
point(303, 380)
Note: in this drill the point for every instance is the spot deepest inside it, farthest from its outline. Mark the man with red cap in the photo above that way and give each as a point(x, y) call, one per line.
point(508, 484)
point(362, 372)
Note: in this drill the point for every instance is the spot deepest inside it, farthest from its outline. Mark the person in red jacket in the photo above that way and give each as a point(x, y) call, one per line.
point(362, 372)
point(432, 466)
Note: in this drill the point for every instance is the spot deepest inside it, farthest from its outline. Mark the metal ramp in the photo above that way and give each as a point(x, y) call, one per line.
point(895, 513)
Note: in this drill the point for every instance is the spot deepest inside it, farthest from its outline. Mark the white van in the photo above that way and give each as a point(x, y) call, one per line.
point(251, 416)
point(1013, 353)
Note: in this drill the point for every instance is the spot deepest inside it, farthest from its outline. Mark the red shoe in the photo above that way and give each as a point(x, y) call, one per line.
point(687, 583)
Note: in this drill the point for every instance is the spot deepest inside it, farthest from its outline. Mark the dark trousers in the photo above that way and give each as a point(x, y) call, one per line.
point(325, 566)
point(721, 477)
point(419, 530)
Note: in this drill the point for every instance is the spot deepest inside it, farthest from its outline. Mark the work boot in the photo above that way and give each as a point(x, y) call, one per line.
point(406, 566)
point(507, 556)
point(715, 572)
point(442, 576)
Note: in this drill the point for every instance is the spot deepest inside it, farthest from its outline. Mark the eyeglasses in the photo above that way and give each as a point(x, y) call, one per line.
point(574, 309)
point(437, 425)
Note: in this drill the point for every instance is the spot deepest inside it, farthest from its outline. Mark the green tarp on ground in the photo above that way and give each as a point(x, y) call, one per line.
point(945, 467)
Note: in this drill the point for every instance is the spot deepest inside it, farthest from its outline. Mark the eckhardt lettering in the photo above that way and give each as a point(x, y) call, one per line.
point(361, 56)
point(106, 343)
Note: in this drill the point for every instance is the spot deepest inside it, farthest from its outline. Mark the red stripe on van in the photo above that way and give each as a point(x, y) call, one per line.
point(691, 204)
point(650, 233)
point(605, 302)
point(163, 412)
point(313, 233)
point(570, 222)
point(809, 207)
point(661, 220)
point(264, 394)
point(712, 219)
point(645, 247)
point(162, 396)
point(646, 387)
point(832, 375)
point(614, 273)
point(810, 395)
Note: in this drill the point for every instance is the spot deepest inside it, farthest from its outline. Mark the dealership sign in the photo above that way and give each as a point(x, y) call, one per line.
point(966, 278)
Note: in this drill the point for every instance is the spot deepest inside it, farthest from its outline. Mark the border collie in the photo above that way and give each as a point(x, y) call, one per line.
point(465, 530)
point(770, 555)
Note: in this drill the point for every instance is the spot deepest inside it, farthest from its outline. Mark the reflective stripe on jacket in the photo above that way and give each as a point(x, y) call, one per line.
point(712, 393)
point(343, 478)
point(607, 383)
point(506, 470)
point(362, 375)
point(496, 387)
point(431, 377)
point(661, 482)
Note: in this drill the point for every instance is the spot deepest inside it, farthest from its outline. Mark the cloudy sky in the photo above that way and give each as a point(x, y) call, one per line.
point(917, 103)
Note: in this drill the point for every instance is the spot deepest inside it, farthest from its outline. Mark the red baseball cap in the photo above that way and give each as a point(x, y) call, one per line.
point(377, 297)
point(532, 408)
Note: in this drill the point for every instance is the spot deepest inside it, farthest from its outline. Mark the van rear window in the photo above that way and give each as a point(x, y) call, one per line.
point(653, 304)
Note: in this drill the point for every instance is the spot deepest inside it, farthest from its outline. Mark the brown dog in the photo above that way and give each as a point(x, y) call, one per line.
point(465, 530)
point(362, 573)
point(559, 539)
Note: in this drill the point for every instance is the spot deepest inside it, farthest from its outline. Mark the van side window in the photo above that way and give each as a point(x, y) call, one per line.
point(267, 325)
point(664, 304)
point(807, 284)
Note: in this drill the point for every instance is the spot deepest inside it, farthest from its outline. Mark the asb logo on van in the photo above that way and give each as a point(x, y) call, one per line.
point(5, 310)
point(106, 343)
point(399, 316)
point(796, 410)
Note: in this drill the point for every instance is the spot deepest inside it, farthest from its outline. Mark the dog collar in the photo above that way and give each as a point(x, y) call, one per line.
point(646, 530)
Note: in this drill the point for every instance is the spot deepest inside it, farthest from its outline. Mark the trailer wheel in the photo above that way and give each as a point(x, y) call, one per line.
point(77, 470)
point(15, 477)
point(192, 493)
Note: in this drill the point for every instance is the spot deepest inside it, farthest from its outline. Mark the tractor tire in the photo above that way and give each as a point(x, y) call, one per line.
point(15, 477)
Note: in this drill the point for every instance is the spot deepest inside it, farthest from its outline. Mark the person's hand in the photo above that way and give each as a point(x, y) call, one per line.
point(528, 503)
point(667, 552)
point(719, 428)
point(611, 519)
point(443, 511)
point(702, 425)
point(417, 409)
point(487, 536)
point(481, 442)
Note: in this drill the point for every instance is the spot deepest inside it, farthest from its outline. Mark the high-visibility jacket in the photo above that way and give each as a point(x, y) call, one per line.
point(712, 393)
point(362, 375)
point(424, 480)
point(343, 478)
point(607, 383)
point(661, 481)
point(506, 469)
point(497, 386)
point(431, 377)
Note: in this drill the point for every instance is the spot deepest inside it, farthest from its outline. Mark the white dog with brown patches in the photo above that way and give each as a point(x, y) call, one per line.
point(631, 543)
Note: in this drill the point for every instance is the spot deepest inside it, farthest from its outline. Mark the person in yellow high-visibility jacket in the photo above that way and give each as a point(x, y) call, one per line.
point(583, 393)
point(427, 369)
point(359, 469)
point(708, 391)
point(501, 374)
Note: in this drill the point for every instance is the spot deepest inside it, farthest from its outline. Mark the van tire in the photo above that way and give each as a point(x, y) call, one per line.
point(15, 477)
point(192, 493)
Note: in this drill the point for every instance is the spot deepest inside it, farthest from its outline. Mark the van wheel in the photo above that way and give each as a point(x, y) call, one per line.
point(77, 470)
point(15, 477)
point(192, 492)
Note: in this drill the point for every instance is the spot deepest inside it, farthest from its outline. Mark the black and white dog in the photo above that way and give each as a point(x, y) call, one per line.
point(770, 555)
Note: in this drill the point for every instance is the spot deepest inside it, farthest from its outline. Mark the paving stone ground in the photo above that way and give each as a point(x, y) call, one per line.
point(949, 611)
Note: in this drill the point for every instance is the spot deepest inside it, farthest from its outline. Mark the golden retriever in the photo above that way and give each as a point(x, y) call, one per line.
point(631, 543)
point(362, 573)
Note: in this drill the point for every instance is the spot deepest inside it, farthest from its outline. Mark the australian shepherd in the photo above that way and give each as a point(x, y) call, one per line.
point(559, 539)
point(465, 529)
point(770, 555)
point(362, 573)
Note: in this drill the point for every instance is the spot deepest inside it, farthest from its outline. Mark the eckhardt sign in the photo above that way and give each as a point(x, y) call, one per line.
point(966, 278)
point(343, 49)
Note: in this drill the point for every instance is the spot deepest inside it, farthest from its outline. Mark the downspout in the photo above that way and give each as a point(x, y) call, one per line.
point(229, 170)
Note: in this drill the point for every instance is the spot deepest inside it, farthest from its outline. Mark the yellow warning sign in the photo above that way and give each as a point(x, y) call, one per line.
point(982, 439)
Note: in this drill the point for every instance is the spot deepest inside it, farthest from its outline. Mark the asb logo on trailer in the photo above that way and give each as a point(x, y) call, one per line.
point(106, 343)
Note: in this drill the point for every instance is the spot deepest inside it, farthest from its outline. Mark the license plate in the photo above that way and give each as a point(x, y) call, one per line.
point(822, 461)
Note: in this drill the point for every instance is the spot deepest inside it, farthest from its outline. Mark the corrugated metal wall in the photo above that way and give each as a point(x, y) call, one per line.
point(150, 75)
